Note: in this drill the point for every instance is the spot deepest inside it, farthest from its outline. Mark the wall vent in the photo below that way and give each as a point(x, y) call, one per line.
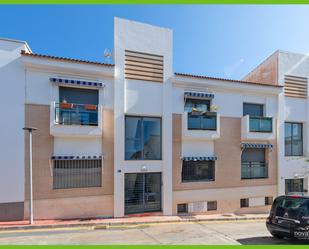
point(295, 87)
point(143, 66)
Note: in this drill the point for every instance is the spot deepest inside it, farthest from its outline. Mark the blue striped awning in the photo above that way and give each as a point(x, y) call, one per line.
point(254, 145)
point(76, 82)
point(200, 158)
point(199, 95)
point(76, 157)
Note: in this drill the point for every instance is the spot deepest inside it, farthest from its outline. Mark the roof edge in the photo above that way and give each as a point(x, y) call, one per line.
point(17, 41)
point(24, 53)
point(228, 80)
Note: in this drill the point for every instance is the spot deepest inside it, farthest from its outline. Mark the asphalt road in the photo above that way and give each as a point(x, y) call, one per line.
point(220, 232)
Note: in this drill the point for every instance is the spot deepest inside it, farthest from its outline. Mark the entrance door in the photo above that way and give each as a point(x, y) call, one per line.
point(142, 192)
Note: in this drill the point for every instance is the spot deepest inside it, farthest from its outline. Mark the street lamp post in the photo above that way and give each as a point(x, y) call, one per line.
point(30, 130)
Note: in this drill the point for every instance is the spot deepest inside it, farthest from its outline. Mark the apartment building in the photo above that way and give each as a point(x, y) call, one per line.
point(291, 71)
point(135, 137)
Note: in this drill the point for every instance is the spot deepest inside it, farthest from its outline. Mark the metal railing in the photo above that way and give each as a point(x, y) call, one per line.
point(76, 114)
point(204, 121)
point(253, 170)
point(77, 173)
point(260, 124)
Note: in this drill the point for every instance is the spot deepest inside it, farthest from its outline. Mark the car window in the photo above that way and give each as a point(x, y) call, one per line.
point(293, 207)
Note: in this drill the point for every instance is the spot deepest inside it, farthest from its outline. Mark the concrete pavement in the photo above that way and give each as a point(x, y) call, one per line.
point(199, 232)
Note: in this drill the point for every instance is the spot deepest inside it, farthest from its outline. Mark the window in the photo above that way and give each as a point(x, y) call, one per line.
point(253, 109)
point(77, 173)
point(244, 202)
point(197, 104)
point(253, 164)
point(293, 139)
point(294, 186)
point(77, 106)
point(78, 95)
point(211, 205)
point(268, 200)
point(142, 138)
point(198, 171)
point(182, 208)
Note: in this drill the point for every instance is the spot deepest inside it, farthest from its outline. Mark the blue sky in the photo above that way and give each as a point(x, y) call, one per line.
point(214, 40)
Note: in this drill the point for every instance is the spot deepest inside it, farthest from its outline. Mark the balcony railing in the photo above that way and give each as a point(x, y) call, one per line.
point(76, 114)
point(205, 121)
point(254, 170)
point(260, 124)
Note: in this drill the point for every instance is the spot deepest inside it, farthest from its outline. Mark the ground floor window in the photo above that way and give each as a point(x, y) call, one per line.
point(294, 186)
point(253, 164)
point(182, 208)
point(268, 200)
point(211, 205)
point(77, 173)
point(244, 202)
point(198, 171)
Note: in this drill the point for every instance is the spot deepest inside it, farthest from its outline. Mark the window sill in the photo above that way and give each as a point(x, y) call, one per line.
point(256, 178)
point(300, 156)
point(197, 181)
point(141, 160)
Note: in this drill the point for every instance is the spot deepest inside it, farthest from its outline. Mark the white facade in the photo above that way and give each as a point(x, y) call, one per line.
point(12, 95)
point(293, 110)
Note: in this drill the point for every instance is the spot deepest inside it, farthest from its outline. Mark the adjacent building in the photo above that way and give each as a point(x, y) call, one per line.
point(135, 137)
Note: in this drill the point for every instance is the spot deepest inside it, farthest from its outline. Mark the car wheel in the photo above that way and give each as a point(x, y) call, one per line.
point(275, 235)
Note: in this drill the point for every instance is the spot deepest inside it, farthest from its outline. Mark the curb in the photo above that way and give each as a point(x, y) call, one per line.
point(122, 225)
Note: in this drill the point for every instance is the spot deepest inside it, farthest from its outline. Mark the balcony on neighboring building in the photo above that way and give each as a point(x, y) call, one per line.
point(257, 128)
point(201, 125)
point(78, 120)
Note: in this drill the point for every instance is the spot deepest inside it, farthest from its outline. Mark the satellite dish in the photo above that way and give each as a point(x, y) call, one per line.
point(107, 53)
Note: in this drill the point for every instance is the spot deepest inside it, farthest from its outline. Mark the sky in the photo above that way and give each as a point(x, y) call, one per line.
point(215, 40)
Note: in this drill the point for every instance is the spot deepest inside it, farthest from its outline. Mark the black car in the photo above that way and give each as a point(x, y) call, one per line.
point(289, 217)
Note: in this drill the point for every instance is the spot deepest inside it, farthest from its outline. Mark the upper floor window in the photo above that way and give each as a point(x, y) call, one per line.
point(253, 109)
point(77, 106)
point(78, 95)
point(143, 138)
point(200, 105)
point(293, 139)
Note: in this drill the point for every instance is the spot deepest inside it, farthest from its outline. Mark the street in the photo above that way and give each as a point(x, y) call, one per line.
point(216, 232)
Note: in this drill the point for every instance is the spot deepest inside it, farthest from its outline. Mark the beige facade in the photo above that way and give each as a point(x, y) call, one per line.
point(228, 187)
point(43, 193)
point(266, 72)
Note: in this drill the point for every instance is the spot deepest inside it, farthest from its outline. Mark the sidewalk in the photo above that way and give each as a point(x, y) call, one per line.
point(118, 222)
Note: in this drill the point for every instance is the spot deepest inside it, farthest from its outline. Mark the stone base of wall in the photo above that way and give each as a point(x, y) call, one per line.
point(72, 208)
point(11, 211)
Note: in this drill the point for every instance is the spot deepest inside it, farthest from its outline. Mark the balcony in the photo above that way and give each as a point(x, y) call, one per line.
point(201, 125)
point(257, 128)
point(76, 114)
point(68, 119)
point(254, 170)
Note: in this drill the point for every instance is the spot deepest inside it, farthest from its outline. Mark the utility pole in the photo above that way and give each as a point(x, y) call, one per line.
point(30, 130)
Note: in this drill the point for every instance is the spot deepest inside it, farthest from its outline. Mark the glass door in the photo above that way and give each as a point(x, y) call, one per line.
point(142, 192)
